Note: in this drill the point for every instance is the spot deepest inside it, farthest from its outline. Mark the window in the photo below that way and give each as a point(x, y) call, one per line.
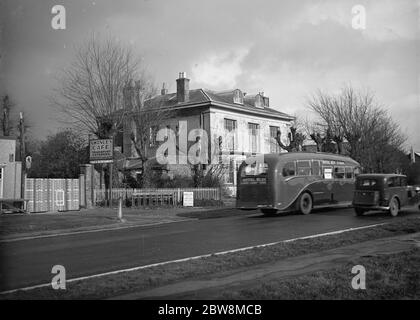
point(11, 157)
point(254, 169)
point(289, 169)
point(403, 181)
point(238, 97)
point(253, 137)
point(304, 168)
point(230, 132)
point(274, 146)
point(349, 173)
point(152, 135)
point(393, 182)
point(316, 168)
point(367, 183)
point(339, 172)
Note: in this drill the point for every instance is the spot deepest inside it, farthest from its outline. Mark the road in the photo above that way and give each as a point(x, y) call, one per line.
point(29, 262)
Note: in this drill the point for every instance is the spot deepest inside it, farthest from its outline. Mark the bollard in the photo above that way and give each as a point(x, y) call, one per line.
point(120, 209)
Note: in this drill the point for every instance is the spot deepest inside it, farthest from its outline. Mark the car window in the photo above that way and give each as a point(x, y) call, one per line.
point(404, 181)
point(392, 182)
point(368, 182)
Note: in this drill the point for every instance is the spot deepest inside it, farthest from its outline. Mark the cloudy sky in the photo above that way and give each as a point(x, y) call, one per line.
point(288, 49)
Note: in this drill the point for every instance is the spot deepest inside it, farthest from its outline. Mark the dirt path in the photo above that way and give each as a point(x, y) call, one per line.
point(211, 288)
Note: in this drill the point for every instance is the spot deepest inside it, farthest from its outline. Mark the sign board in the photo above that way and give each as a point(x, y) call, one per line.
point(188, 199)
point(101, 151)
point(328, 173)
point(28, 162)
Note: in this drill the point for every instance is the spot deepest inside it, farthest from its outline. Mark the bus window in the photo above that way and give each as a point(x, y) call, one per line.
point(356, 171)
point(339, 172)
point(327, 172)
point(316, 168)
point(304, 168)
point(254, 169)
point(349, 172)
point(289, 169)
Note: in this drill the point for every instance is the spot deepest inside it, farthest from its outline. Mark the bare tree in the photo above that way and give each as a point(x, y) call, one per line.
point(358, 119)
point(90, 91)
point(7, 106)
point(146, 119)
point(295, 137)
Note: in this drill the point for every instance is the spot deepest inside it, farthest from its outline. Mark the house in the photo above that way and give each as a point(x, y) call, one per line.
point(10, 169)
point(236, 125)
point(414, 156)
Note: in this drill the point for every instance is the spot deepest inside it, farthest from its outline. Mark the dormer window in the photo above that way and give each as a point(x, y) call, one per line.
point(259, 101)
point(238, 97)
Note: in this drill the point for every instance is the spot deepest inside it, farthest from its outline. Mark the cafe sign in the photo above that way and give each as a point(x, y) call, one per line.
point(101, 151)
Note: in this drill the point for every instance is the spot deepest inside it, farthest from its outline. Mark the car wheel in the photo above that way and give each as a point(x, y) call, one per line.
point(359, 211)
point(394, 206)
point(305, 203)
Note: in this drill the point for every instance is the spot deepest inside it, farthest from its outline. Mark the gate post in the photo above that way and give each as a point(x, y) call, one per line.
point(82, 191)
point(87, 188)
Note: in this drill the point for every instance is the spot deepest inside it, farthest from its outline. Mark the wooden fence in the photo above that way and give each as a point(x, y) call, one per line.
point(52, 194)
point(156, 196)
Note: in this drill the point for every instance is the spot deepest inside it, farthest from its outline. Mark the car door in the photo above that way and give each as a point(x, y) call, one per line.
point(403, 193)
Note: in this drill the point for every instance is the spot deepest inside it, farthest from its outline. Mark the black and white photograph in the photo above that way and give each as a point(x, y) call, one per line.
point(209, 156)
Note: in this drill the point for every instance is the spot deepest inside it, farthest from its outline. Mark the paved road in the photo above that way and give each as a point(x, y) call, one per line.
point(29, 262)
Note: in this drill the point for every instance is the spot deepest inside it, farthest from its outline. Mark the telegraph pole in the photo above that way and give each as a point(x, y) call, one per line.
point(22, 154)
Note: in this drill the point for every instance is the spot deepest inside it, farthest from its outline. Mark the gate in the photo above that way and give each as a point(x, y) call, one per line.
point(52, 194)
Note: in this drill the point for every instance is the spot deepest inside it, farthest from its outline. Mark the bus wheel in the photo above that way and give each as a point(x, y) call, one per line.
point(269, 212)
point(359, 211)
point(305, 203)
point(394, 207)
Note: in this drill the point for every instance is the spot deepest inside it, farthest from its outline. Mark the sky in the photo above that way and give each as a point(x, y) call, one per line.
point(286, 49)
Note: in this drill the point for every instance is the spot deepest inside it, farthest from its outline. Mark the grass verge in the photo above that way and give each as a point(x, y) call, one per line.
point(394, 276)
point(108, 286)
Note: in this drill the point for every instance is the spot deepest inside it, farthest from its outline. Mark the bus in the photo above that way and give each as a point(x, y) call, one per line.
point(295, 181)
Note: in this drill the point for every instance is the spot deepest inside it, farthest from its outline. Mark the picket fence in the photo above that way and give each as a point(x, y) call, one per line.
point(157, 195)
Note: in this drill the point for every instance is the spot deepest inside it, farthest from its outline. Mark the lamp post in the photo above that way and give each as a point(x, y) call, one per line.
point(22, 154)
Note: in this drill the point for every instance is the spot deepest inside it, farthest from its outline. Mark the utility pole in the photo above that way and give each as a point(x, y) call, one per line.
point(22, 154)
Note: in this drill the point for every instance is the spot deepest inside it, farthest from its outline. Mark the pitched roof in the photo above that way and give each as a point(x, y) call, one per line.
point(216, 98)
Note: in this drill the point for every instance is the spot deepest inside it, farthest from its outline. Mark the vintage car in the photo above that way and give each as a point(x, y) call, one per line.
point(388, 192)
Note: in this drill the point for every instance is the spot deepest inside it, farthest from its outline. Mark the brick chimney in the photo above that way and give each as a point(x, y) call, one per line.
point(164, 90)
point(182, 88)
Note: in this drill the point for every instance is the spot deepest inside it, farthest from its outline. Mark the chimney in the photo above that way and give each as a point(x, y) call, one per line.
point(164, 90)
point(182, 88)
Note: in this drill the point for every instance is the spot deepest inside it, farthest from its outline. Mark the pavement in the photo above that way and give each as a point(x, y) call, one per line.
point(23, 226)
point(28, 262)
point(212, 288)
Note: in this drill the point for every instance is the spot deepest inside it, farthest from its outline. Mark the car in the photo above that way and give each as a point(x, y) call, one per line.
point(387, 192)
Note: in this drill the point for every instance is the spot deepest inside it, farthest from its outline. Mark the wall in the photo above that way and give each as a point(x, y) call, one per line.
point(11, 169)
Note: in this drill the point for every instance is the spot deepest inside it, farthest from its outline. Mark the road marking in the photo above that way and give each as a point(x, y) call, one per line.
point(196, 257)
point(92, 231)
